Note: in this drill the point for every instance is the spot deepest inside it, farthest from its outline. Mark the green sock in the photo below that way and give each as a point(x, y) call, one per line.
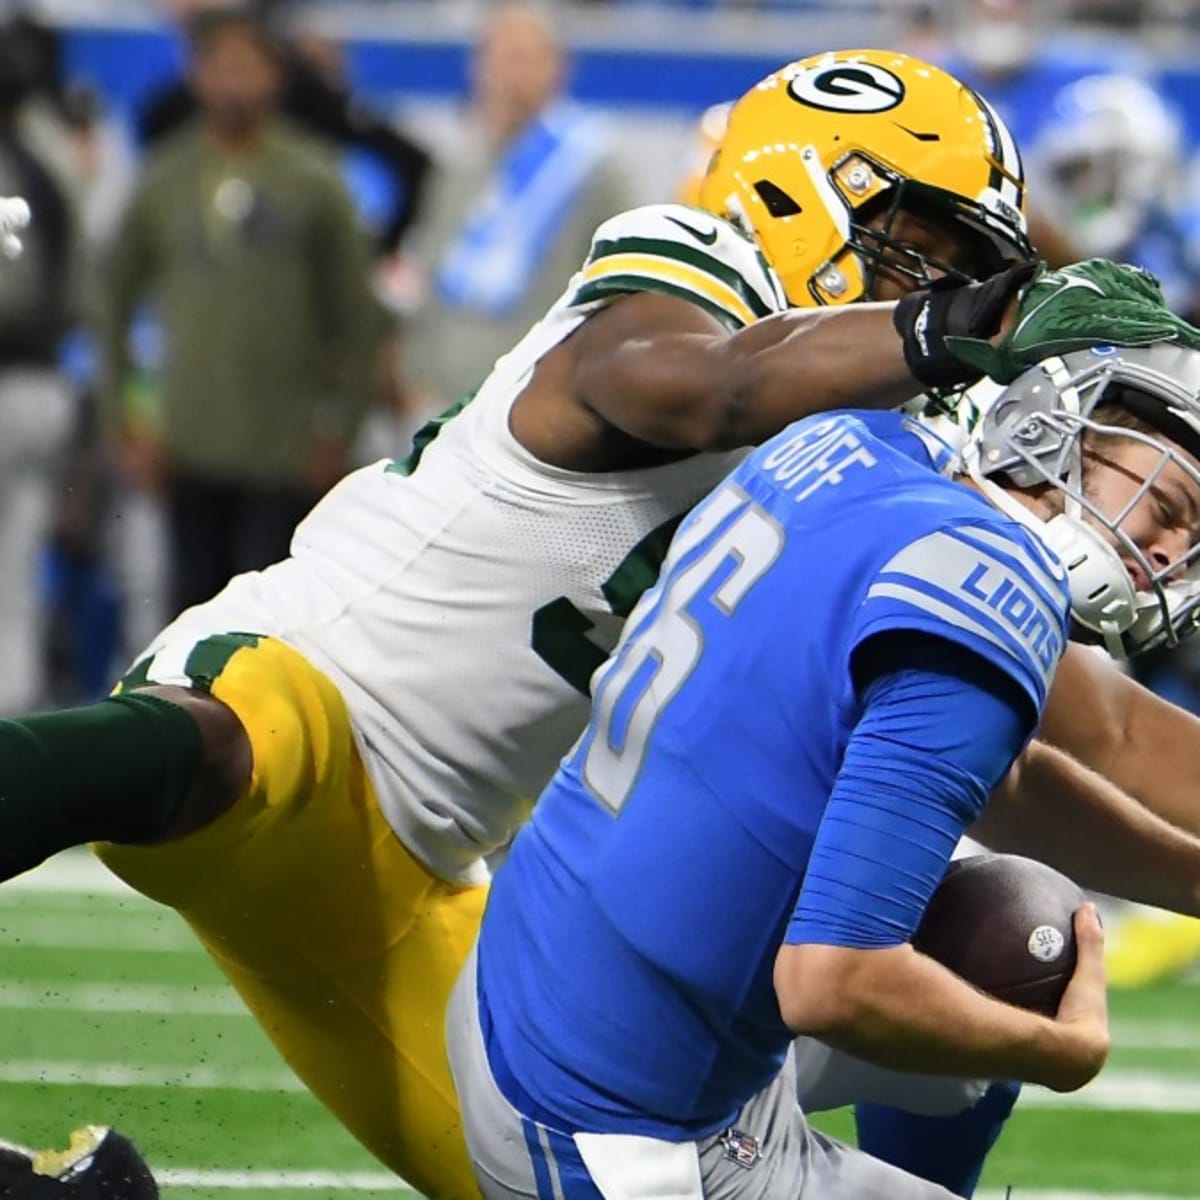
point(113, 771)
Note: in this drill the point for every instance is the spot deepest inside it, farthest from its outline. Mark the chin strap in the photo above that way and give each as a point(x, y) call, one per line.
point(1103, 598)
point(1150, 629)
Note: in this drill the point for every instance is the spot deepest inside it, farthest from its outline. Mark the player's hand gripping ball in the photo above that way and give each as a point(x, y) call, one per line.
point(1005, 924)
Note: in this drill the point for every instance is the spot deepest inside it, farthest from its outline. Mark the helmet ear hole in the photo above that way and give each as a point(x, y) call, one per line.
point(777, 201)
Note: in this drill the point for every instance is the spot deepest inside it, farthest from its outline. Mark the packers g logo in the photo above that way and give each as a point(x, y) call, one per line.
point(847, 87)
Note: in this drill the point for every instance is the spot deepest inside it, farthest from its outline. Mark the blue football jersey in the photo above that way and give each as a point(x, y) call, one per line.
point(627, 950)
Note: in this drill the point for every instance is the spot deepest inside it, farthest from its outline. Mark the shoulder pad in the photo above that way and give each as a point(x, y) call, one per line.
point(989, 586)
point(684, 252)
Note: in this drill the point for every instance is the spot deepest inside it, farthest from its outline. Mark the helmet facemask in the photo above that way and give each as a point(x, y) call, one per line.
point(982, 252)
point(1047, 429)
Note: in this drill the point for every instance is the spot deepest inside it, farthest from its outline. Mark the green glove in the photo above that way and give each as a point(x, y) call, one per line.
point(1092, 303)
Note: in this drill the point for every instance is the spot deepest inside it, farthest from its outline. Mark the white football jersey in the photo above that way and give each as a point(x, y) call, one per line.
point(462, 598)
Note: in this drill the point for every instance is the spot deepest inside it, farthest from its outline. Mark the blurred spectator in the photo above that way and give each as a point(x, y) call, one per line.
point(316, 96)
point(511, 216)
point(1107, 167)
point(64, 124)
point(35, 399)
point(247, 243)
point(1123, 14)
point(1019, 56)
point(924, 33)
point(80, 592)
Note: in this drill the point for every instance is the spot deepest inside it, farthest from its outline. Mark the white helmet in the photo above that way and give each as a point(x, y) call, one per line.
point(1109, 153)
point(1030, 433)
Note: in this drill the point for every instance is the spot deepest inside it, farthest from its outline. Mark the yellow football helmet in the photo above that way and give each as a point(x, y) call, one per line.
point(826, 144)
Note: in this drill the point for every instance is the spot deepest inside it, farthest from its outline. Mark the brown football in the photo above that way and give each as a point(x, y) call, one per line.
point(1004, 923)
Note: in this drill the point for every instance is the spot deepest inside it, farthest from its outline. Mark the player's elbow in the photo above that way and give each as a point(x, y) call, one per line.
point(823, 991)
point(702, 423)
point(713, 410)
point(712, 422)
point(728, 414)
point(744, 401)
point(719, 427)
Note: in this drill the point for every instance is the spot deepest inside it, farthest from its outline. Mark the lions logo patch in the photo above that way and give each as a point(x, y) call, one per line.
point(852, 87)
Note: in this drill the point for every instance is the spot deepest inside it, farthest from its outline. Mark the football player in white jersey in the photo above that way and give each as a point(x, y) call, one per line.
point(312, 766)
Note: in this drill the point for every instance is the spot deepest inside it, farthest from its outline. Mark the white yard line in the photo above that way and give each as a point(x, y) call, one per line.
point(72, 871)
point(61, 931)
point(122, 998)
point(218, 1000)
point(1117, 1090)
point(1156, 1035)
point(123, 1075)
point(349, 1181)
point(1125, 1090)
point(1024, 1193)
point(367, 1181)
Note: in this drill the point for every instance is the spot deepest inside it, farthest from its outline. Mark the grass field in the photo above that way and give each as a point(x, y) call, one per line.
point(112, 1015)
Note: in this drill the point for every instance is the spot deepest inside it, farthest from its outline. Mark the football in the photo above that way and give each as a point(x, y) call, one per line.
point(1004, 923)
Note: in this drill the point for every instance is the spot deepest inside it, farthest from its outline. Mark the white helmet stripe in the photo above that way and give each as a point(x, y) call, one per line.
point(1012, 183)
point(835, 207)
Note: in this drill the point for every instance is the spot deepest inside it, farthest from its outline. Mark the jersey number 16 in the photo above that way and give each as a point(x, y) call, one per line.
point(664, 638)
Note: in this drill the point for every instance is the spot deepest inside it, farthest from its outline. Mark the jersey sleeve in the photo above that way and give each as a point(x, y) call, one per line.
point(940, 727)
point(988, 586)
point(684, 252)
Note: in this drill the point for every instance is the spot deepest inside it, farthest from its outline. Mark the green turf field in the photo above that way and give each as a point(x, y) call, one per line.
point(111, 1014)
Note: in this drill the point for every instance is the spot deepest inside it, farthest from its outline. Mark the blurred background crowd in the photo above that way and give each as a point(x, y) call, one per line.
point(269, 241)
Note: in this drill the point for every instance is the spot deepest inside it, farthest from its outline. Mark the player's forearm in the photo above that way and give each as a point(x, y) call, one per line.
point(1160, 759)
point(872, 355)
point(904, 1011)
point(806, 361)
point(1145, 745)
point(1054, 809)
point(664, 373)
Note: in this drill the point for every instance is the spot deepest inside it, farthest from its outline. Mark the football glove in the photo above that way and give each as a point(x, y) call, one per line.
point(952, 307)
point(1092, 303)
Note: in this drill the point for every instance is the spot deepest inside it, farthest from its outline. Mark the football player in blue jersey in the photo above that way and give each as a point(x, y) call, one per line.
point(843, 656)
point(787, 204)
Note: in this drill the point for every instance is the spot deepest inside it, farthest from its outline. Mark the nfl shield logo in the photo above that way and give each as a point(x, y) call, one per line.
point(741, 1148)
